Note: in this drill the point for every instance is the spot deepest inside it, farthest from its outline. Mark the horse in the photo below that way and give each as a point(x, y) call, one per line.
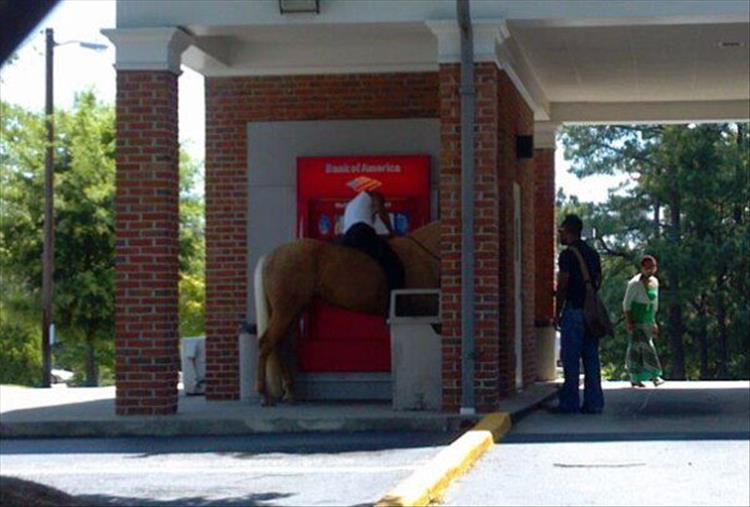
point(288, 278)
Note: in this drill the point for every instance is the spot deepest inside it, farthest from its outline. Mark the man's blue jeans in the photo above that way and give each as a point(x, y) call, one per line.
point(575, 345)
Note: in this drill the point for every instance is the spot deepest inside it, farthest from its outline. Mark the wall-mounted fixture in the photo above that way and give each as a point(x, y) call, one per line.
point(524, 146)
point(299, 6)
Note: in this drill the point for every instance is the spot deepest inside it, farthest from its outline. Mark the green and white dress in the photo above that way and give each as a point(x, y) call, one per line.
point(641, 358)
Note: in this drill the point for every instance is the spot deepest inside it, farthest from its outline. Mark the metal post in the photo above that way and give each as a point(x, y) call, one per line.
point(49, 224)
point(467, 92)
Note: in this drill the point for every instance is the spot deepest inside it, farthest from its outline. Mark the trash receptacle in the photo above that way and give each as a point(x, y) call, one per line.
point(416, 355)
point(546, 352)
point(193, 359)
point(248, 350)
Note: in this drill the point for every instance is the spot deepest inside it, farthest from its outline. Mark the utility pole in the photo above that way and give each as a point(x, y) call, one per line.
point(48, 257)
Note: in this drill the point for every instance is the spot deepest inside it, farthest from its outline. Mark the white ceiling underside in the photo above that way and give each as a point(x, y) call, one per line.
point(639, 63)
point(649, 61)
point(575, 68)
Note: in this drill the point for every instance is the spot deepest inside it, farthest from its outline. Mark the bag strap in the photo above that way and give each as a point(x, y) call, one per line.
point(584, 267)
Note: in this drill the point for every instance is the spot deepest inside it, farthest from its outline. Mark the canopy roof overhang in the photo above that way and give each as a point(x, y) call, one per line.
point(574, 62)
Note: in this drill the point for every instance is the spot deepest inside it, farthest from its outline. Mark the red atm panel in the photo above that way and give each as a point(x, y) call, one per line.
point(333, 339)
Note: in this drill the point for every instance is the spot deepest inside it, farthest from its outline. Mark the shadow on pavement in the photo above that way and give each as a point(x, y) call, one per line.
point(675, 411)
point(241, 447)
point(258, 499)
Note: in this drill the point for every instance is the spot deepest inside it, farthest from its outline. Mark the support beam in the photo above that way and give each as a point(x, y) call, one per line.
point(594, 113)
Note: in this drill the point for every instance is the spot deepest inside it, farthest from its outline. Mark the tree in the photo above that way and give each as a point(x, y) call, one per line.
point(685, 201)
point(22, 141)
point(84, 238)
point(192, 304)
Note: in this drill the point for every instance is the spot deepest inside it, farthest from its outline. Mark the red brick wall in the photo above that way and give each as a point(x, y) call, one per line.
point(515, 119)
point(544, 218)
point(486, 266)
point(147, 221)
point(528, 266)
point(450, 223)
point(230, 104)
point(501, 114)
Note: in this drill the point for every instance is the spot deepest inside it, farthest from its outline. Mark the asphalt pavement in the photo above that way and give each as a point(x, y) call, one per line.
point(684, 443)
point(264, 470)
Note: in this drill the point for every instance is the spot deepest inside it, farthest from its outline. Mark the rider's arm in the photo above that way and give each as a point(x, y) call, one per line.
point(386, 219)
point(378, 205)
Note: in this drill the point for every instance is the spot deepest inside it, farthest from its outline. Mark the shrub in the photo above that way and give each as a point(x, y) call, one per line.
point(20, 354)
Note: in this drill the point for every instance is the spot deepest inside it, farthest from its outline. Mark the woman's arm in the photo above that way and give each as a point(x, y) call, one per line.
point(626, 304)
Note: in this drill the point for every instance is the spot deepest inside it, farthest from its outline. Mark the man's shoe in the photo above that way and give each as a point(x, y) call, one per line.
point(638, 384)
point(586, 410)
point(658, 381)
point(559, 411)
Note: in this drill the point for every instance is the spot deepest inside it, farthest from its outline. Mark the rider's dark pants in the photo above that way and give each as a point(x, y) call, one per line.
point(364, 238)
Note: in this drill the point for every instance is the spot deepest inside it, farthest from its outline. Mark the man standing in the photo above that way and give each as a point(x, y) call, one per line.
point(575, 341)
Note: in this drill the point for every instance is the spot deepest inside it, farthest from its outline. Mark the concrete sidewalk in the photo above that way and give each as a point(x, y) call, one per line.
point(89, 412)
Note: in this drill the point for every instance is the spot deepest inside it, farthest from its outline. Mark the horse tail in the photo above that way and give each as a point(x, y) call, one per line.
point(262, 317)
point(261, 302)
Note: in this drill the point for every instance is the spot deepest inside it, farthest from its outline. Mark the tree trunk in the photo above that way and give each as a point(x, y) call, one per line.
point(703, 341)
point(676, 326)
point(92, 373)
point(721, 320)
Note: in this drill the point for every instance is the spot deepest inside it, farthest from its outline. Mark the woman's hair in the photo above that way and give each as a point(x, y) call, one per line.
point(648, 258)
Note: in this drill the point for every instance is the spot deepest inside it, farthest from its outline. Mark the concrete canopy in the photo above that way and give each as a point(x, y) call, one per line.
point(574, 62)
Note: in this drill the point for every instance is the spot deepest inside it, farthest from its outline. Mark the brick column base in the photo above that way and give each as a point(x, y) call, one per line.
point(147, 225)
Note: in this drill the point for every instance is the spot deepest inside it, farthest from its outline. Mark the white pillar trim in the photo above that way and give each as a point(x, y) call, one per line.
point(492, 43)
point(544, 134)
point(485, 34)
point(157, 48)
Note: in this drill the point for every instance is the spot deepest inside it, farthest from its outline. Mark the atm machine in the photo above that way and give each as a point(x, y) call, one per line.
point(332, 340)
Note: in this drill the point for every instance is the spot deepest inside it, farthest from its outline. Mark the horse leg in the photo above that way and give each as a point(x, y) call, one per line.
point(264, 351)
point(268, 345)
point(287, 381)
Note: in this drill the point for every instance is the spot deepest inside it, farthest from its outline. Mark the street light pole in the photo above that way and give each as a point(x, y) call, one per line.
point(49, 225)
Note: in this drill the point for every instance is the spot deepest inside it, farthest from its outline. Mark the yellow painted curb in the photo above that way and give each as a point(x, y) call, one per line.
point(427, 484)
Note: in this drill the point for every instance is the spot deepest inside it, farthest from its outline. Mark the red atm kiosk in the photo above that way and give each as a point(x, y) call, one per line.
point(333, 339)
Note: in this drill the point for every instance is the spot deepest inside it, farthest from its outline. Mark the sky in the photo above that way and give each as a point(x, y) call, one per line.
point(77, 69)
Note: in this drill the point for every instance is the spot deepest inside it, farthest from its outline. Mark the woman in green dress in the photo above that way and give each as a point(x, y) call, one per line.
point(640, 305)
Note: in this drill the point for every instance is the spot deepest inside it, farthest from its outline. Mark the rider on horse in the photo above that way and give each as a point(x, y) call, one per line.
point(359, 233)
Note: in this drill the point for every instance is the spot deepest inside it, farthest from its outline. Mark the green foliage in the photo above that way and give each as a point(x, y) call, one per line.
point(20, 352)
point(686, 201)
point(192, 304)
point(84, 241)
point(84, 235)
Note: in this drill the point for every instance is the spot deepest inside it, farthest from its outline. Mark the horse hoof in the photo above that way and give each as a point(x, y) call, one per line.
point(267, 401)
point(289, 398)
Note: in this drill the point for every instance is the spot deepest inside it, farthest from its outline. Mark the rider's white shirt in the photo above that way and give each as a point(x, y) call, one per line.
point(359, 210)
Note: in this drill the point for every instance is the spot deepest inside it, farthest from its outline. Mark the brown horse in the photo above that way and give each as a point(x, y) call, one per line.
point(287, 280)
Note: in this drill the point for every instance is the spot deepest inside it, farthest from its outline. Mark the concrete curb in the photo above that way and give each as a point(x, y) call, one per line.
point(175, 426)
point(91, 418)
point(428, 483)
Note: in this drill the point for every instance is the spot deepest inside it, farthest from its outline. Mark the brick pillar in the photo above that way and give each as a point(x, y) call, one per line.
point(487, 236)
point(227, 105)
point(147, 222)
point(544, 227)
point(528, 283)
point(450, 223)
point(515, 119)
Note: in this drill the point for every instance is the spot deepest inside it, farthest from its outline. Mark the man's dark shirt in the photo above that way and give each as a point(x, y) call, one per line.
point(568, 263)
